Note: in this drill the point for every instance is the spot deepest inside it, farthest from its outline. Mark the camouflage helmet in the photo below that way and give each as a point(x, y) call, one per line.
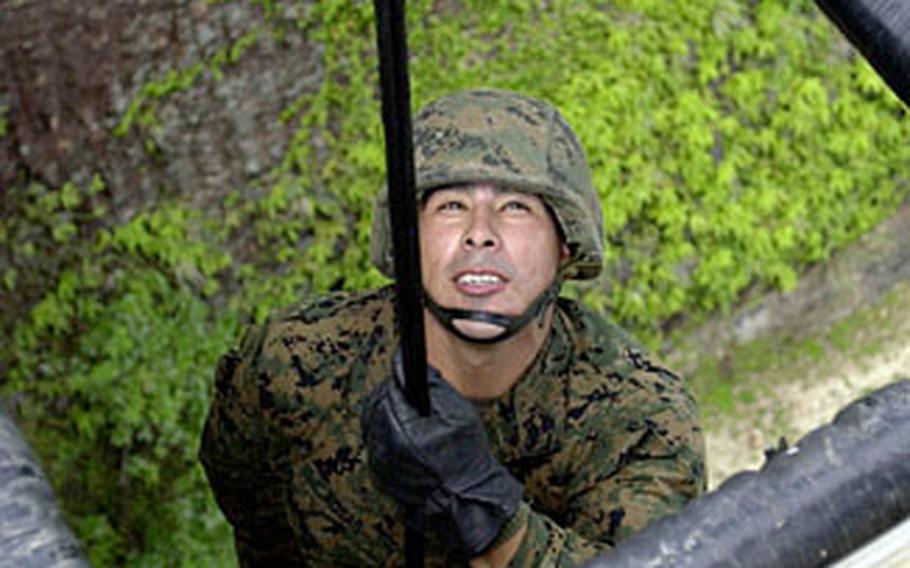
point(508, 140)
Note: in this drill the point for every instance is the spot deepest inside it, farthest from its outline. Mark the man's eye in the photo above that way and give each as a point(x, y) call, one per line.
point(516, 206)
point(451, 206)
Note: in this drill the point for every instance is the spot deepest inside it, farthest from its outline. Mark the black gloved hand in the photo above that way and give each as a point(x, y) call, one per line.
point(438, 467)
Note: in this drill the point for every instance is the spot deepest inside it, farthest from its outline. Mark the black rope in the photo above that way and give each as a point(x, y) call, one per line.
point(399, 152)
point(399, 149)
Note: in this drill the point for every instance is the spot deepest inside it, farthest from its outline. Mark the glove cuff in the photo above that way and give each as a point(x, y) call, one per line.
point(480, 520)
point(518, 520)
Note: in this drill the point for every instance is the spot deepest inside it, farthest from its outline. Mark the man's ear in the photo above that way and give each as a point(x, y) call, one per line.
point(564, 254)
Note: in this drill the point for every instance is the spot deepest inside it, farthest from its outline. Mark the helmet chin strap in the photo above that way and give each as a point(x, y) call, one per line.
point(510, 324)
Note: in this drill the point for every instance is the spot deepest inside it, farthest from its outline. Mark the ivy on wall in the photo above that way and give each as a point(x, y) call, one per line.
point(733, 143)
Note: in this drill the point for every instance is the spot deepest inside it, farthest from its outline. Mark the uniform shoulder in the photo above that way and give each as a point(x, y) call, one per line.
point(608, 362)
point(333, 312)
point(622, 398)
point(594, 335)
point(334, 324)
point(312, 347)
point(335, 306)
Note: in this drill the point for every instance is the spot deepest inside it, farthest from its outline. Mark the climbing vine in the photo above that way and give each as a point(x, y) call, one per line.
point(733, 144)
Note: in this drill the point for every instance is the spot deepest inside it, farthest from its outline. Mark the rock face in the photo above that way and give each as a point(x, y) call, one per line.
point(70, 69)
point(212, 80)
point(856, 276)
point(176, 100)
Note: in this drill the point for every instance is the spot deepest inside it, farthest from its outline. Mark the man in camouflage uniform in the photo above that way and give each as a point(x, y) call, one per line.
point(552, 434)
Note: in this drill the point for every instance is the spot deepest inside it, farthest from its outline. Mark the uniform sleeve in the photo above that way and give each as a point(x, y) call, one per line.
point(243, 459)
point(638, 458)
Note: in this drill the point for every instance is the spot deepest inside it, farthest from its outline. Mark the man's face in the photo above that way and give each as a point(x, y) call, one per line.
point(488, 249)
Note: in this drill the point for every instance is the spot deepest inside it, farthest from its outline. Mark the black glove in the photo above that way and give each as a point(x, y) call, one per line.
point(438, 467)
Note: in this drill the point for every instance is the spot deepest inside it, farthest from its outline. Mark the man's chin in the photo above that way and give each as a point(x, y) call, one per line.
point(478, 329)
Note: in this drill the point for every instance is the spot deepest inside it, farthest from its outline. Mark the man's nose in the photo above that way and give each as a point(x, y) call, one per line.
point(481, 233)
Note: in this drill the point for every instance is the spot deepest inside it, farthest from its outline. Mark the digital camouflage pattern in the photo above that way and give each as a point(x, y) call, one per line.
point(513, 141)
point(604, 439)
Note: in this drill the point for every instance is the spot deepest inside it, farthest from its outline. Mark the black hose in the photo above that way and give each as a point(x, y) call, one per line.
point(837, 489)
point(33, 533)
point(880, 30)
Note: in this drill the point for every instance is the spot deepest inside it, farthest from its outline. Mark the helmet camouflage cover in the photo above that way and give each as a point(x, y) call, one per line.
point(511, 141)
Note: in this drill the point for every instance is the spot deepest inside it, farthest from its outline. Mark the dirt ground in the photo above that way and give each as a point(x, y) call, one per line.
point(872, 351)
point(795, 409)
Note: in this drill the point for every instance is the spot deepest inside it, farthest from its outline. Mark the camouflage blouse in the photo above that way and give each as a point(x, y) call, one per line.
point(604, 439)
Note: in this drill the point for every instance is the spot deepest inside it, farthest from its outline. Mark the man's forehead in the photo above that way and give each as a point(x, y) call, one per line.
point(497, 189)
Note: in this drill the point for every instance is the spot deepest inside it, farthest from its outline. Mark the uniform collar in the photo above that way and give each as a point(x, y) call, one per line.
point(527, 423)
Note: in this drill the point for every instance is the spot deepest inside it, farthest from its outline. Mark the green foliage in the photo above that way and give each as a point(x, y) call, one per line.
point(4, 122)
point(733, 143)
point(110, 377)
point(729, 149)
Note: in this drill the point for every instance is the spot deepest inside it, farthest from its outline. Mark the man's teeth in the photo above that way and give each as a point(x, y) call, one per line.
point(479, 279)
